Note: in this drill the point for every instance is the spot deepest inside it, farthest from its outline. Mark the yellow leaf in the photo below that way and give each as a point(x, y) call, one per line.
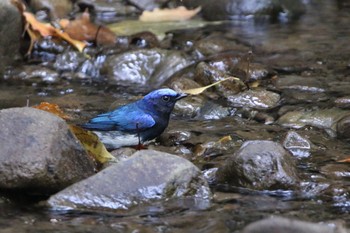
point(177, 14)
point(92, 144)
point(199, 90)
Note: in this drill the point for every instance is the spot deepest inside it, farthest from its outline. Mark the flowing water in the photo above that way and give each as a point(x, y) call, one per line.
point(318, 43)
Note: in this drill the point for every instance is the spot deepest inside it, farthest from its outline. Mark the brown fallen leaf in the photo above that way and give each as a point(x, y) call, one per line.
point(84, 30)
point(92, 144)
point(36, 29)
point(177, 14)
point(52, 108)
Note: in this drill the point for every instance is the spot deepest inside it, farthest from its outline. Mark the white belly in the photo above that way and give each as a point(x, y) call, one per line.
point(117, 139)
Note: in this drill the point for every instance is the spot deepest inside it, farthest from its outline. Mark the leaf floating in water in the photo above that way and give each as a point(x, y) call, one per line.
point(130, 27)
point(52, 108)
point(177, 14)
point(92, 144)
point(199, 90)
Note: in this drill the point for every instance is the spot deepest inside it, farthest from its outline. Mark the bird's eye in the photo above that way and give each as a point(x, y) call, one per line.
point(166, 98)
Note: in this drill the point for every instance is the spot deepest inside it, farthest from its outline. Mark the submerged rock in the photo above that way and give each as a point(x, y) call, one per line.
point(257, 99)
point(145, 66)
point(333, 121)
point(285, 225)
point(259, 165)
point(297, 145)
point(237, 9)
point(145, 176)
point(39, 153)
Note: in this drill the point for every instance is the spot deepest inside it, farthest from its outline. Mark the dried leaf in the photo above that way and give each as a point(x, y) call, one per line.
point(52, 108)
point(177, 14)
point(199, 90)
point(347, 160)
point(92, 144)
point(37, 29)
point(84, 30)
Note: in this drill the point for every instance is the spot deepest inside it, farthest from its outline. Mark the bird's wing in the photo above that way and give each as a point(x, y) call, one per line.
point(123, 119)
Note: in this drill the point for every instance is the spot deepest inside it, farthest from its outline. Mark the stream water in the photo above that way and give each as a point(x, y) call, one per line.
point(316, 46)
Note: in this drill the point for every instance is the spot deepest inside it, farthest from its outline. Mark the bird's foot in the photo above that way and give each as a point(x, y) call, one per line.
point(140, 147)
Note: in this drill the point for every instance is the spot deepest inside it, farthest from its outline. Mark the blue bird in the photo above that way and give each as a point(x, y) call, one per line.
point(137, 122)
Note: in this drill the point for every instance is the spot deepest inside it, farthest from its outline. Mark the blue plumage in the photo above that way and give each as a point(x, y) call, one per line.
point(142, 120)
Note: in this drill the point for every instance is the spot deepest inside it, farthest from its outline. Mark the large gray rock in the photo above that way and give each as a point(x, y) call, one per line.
point(144, 66)
point(147, 175)
point(39, 153)
point(278, 224)
point(260, 165)
point(11, 29)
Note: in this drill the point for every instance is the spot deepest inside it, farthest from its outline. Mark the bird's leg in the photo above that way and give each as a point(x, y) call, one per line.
point(139, 146)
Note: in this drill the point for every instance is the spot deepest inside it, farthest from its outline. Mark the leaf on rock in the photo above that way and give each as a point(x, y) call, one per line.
point(84, 30)
point(199, 90)
point(52, 108)
point(177, 14)
point(92, 144)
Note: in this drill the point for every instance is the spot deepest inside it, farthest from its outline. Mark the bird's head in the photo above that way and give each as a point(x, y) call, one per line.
point(162, 100)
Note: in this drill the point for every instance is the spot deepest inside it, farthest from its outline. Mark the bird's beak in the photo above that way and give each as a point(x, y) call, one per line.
point(181, 96)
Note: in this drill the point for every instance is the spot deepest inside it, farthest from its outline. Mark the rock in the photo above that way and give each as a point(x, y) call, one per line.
point(53, 8)
point(33, 74)
point(285, 225)
point(11, 29)
point(233, 9)
point(331, 120)
point(295, 82)
point(107, 10)
point(39, 153)
point(343, 102)
point(133, 181)
point(257, 99)
point(259, 165)
point(151, 67)
point(297, 145)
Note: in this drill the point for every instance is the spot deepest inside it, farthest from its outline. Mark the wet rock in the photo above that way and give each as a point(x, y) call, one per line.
point(107, 10)
point(343, 127)
point(68, 61)
point(215, 44)
point(297, 96)
point(233, 9)
point(136, 180)
point(206, 74)
point(278, 224)
point(11, 31)
point(326, 119)
point(297, 145)
point(300, 83)
point(259, 165)
point(257, 99)
point(213, 111)
point(189, 107)
point(174, 137)
point(33, 74)
point(52, 8)
point(147, 4)
point(145, 66)
point(39, 153)
point(343, 102)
